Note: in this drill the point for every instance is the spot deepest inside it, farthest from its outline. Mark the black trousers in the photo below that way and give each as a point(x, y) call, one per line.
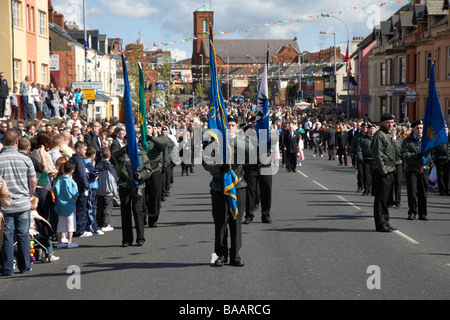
point(359, 174)
point(331, 152)
point(291, 161)
point(442, 172)
point(417, 188)
point(153, 188)
point(367, 176)
point(382, 186)
point(131, 204)
point(169, 178)
point(223, 220)
point(396, 194)
point(2, 106)
point(263, 183)
point(342, 155)
point(104, 210)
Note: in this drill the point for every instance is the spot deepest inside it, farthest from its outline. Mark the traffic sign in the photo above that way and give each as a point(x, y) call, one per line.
point(95, 85)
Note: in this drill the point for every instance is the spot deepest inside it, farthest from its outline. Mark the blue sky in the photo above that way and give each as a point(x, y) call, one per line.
point(172, 20)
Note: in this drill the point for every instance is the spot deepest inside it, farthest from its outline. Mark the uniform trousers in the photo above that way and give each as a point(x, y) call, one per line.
point(367, 175)
point(153, 188)
point(442, 172)
point(131, 204)
point(382, 186)
point(396, 194)
point(263, 183)
point(169, 178)
point(359, 174)
point(223, 220)
point(417, 188)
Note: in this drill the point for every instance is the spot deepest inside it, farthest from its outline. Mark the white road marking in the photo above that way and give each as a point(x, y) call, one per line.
point(323, 187)
point(401, 234)
point(404, 236)
point(302, 174)
point(348, 202)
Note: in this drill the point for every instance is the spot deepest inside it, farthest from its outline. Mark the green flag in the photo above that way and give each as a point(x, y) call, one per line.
point(142, 111)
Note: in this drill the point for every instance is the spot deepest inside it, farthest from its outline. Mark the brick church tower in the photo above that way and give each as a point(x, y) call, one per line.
point(203, 21)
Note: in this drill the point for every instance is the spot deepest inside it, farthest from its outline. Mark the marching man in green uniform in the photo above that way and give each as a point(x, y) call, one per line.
point(220, 206)
point(383, 151)
point(417, 168)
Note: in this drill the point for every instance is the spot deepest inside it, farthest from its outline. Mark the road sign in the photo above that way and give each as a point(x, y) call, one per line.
point(160, 86)
point(89, 94)
point(95, 85)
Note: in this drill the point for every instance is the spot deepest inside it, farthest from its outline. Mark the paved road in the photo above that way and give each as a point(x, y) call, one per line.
point(321, 245)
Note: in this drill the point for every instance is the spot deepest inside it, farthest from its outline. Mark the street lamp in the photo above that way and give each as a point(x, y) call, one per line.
point(279, 75)
point(202, 67)
point(326, 15)
point(335, 82)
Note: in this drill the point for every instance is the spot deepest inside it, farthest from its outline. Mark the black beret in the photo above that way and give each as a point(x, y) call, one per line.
point(159, 124)
point(371, 125)
point(164, 129)
point(151, 124)
point(231, 118)
point(363, 124)
point(387, 116)
point(416, 123)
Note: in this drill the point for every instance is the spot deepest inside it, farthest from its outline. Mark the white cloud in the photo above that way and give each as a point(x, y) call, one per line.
point(178, 54)
point(130, 8)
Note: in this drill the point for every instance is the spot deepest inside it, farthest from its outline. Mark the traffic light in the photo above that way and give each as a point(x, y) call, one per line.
point(191, 102)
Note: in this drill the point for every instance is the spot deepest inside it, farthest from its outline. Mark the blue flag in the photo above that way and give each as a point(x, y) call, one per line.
point(262, 107)
point(132, 146)
point(434, 121)
point(218, 125)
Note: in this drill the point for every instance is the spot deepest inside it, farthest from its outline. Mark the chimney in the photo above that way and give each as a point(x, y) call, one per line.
point(58, 19)
point(50, 11)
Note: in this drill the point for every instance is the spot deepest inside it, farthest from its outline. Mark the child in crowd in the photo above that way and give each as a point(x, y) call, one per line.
point(45, 239)
point(300, 153)
point(14, 104)
point(107, 190)
point(66, 193)
point(93, 187)
point(80, 177)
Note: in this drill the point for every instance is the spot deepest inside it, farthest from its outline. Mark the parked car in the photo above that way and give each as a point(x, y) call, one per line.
point(237, 98)
point(176, 103)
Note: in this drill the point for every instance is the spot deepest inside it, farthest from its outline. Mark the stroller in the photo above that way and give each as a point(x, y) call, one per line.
point(39, 243)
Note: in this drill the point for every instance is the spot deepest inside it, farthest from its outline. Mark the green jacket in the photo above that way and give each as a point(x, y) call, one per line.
point(398, 150)
point(216, 183)
point(167, 154)
point(383, 151)
point(354, 145)
point(156, 146)
point(364, 150)
point(144, 171)
point(442, 151)
point(411, 154)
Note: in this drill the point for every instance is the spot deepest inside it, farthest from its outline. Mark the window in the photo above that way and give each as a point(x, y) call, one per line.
point(205, 26)
point(30, 19)
point(428, 62)
point(448, 62)
point(447, 103)
point(383, 73)
point(17, 69)
point(401, 70)
point(16, 13)
point(42, 23)
point(44, 72)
